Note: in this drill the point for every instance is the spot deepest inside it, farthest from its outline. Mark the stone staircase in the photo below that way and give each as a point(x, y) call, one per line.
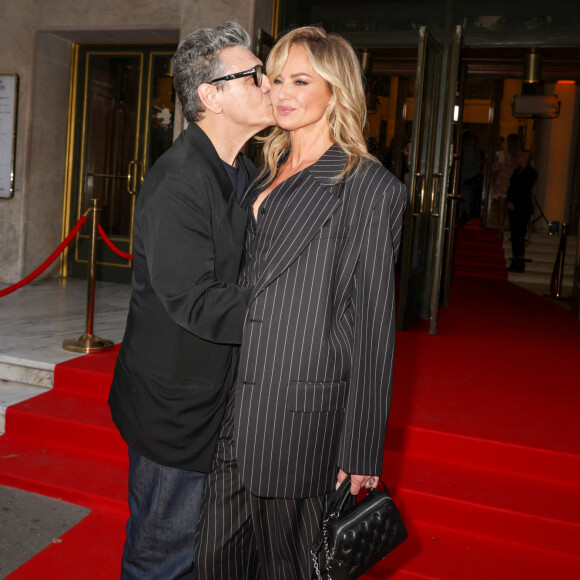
point(541, 253)
point(20, 380)
point(34, 322)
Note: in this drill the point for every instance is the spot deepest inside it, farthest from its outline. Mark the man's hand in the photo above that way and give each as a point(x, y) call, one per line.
point(357, 482)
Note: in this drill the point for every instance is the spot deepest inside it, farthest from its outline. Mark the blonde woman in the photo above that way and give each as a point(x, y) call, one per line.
point(313, 388)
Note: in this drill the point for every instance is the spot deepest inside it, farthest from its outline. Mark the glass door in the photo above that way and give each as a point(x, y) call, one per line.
point(431, 210)
point(453, 195)
point(415, 267)
point(121, 120)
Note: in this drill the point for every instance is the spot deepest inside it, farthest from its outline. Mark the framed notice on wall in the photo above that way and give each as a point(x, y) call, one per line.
point(8, 108)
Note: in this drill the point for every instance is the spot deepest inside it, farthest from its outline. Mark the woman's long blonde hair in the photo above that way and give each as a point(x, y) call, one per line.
point(334, 59)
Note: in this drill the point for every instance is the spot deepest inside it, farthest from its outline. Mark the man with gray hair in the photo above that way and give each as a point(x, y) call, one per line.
point(179, 352)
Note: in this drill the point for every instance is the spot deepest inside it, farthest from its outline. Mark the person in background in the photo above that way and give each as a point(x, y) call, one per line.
point(471, 177)
point(520, 208)
point(178, 356)
point(506, 161)
point(313, 388)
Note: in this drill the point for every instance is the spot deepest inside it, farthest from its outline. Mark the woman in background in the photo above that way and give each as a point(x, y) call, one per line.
point(313, 388)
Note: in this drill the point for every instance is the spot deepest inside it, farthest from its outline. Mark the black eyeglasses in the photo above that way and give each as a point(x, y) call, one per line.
point(257, 73)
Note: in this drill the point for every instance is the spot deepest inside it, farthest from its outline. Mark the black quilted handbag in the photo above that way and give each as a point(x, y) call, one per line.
point(356, 535)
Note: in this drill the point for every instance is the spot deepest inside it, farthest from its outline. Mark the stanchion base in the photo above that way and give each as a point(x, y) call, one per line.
point(556, 298)
point(87, 343)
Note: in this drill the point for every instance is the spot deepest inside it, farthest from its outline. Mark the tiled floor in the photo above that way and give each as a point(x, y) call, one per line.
point(36, 319)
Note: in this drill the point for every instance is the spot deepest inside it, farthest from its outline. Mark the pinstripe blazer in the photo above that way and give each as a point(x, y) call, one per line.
point(314, 382)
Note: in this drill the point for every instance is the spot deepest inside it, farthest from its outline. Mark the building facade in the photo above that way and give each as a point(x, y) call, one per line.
point(36, 43)
point(48, 45)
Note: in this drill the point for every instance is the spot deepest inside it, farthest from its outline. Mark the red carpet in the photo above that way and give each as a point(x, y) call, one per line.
point(63, 444)
point(483, 446)
point(479, 252)
point(482, 456)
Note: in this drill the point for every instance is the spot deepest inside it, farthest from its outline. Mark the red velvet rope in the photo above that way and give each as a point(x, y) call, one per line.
point(49, 261)
point(112, 246)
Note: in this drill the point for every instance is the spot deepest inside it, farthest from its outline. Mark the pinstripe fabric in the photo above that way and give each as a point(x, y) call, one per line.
point(225, 539)
point(244, 537)
point(314, 383)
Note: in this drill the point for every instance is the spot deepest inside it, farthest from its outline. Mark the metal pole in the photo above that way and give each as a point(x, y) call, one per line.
point(88, 342)
point(562, 260)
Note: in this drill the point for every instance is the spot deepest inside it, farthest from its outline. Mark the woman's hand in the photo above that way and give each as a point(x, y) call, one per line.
point(357, 482)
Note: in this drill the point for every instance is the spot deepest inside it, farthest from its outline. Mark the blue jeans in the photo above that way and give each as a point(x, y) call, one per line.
point(164, 505)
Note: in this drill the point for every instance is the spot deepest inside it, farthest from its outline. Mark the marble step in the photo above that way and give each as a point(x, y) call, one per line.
point(530, 277)
point(28, 372)
point(11, 393)
point(541, 252)
point(545, 252)
point(544, 268)
point(21, 379)
point(547, 239)
point(548, 242)
point(544, 262)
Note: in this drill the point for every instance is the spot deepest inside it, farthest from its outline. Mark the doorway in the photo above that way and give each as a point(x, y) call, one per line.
point(411, 110)
point(494, 77)
point(485, 89)
point(121, 119)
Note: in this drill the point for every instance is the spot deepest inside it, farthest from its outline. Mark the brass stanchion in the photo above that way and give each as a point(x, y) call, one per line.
point(562, 251)
point(558, 271)
point(88, 342)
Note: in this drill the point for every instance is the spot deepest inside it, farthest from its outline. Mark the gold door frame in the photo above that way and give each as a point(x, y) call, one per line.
point(446, 200)
point(414, 250)
point(76, 141)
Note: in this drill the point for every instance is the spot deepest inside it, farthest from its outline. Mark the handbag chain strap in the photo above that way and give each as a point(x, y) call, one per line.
point(327, 552)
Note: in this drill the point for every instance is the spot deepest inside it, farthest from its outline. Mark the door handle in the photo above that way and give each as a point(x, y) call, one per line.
point(419, 177)
point(436, 179)
point(134, 177)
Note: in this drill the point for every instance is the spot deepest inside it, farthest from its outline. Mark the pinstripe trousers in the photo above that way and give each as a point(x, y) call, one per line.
point(244, 537)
